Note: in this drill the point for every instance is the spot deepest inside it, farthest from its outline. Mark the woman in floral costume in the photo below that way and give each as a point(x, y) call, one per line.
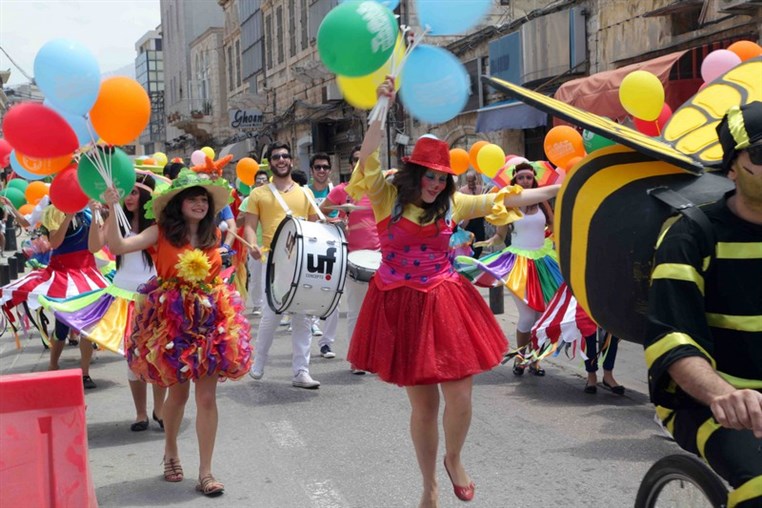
point(189, 324)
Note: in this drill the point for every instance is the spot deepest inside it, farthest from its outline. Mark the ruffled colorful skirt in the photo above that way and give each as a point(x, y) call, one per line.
point(411, 337)
point(532, 275)
point(104, 317)
point(66, 276)
point(184, 332)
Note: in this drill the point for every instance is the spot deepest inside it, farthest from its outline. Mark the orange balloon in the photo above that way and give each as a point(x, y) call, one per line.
point(572, 162)
point(562, 144)
point(459, 161)
point(746, 50)
point(246, 170)
point(26, 209)
point(35, 191)
point(43, 166)
point(474, 151)
point(121, 111)
point(148, 162)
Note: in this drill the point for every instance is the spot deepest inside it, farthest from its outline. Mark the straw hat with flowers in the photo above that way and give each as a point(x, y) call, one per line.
point(218, 188)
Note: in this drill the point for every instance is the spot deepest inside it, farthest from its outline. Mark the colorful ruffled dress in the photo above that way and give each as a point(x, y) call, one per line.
point(72, 270)
point(421, 321)
point(188, 322)
point(106, 316)
point(529, 266)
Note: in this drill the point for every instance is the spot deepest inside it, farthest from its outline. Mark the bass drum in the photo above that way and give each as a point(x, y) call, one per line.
point(306, 267)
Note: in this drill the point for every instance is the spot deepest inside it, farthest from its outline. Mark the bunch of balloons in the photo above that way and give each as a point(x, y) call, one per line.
point(80, 110)
point(360, 42)
point(246, 170)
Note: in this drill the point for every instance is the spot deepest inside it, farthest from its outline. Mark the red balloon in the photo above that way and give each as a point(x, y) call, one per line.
point(655, 127)
point(38, 131)
point(5, 153)
point(65, 192)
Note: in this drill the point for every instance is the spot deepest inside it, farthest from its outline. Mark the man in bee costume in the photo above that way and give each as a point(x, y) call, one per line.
point(704, 335)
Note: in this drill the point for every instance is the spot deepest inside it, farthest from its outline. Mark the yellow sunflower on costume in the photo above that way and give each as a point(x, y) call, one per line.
point(193, 265)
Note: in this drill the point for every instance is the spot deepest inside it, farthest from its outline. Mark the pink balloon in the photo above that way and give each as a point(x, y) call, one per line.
point(516, 159)
point(198, 158)
point(654, 127)
point(717, 63)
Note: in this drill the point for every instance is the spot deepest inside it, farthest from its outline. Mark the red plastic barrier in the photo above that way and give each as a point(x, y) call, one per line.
point(43, 441)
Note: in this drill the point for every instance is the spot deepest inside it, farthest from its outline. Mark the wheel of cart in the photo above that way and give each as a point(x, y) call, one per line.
point(681, 481)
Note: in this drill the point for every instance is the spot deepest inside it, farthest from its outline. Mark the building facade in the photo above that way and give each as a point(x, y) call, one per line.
point(149, 72)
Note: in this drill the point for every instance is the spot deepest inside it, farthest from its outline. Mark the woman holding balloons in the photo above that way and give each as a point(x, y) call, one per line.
point(422, 325)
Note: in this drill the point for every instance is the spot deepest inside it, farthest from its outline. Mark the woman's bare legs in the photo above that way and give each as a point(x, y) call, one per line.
point(159, 394)
point(424, 429)
point(138, 389)
point(206, 422)
point(174, 409)
point(457, 421)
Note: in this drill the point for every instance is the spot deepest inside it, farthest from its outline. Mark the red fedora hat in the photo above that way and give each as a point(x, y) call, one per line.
point(431, 153)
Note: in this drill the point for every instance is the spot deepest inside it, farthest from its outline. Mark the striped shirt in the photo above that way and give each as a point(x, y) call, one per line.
point(709, 306)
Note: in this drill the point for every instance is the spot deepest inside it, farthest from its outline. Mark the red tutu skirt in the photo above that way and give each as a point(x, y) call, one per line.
point(411, 337)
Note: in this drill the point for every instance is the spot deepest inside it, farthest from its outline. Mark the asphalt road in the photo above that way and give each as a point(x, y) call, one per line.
point(533, 441)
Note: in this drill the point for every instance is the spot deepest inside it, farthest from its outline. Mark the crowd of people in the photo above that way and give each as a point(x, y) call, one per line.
point(418, 322)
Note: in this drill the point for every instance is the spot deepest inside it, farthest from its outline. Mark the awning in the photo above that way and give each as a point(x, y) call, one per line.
point(508, 115)
point(237, 150)
point(599, 93)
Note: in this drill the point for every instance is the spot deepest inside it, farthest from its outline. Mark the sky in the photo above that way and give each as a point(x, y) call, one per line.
point(109, 28)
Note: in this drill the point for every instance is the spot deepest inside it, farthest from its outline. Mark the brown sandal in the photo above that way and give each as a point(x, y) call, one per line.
point(173, 471)
point(209, 486)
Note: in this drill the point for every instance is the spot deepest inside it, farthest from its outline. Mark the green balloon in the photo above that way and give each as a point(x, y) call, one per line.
point(113, 159)
point(243, 189)
point(593, 141)
point(18, 183)
point(357, 37)
point(15, 196)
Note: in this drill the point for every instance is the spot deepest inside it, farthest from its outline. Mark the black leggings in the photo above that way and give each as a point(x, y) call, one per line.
point(736, 455)
point(62, 331)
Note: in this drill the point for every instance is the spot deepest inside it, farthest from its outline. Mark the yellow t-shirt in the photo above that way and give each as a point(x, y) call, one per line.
point(465, 206)
point(263, 204)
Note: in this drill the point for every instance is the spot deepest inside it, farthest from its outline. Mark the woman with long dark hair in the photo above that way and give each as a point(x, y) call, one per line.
point(189, 325)
point(105, 317)
point(422, 325)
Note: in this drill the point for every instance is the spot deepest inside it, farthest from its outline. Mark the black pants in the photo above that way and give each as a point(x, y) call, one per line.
point(591, 365)
point(736, 455)
point(62, 331)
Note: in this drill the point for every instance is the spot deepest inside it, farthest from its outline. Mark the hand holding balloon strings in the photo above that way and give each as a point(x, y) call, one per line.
point(379, 111)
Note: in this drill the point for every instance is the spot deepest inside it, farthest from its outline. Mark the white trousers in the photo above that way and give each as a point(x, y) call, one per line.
point(301, 337)
point(329, 327)
point(256, 282)
point(355, 293)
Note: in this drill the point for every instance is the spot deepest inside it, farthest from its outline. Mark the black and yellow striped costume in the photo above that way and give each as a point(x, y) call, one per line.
point(727, 288)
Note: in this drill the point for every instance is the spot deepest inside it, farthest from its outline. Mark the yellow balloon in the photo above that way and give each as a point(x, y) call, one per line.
point(360, 92)
point(642, 95)
point(490, 159)
point(208, 151)
point(161, 158)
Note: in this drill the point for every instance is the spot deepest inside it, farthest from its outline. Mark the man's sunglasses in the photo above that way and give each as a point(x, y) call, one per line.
point(755, 154)
point(321, 167)
point(279, 156)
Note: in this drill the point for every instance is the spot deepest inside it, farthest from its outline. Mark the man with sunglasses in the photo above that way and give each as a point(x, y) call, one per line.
point(320, 185)
point(704, 340)
point(264, 208)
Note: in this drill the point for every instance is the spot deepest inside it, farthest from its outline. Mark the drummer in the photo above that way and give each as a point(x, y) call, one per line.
point(320, 185)
point(361, 235)
point(265, 208)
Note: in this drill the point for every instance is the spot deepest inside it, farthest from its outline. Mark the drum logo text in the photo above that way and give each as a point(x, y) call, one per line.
point(324, 264)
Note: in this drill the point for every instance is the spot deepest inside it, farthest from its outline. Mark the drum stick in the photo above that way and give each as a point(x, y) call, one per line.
point(261, 249)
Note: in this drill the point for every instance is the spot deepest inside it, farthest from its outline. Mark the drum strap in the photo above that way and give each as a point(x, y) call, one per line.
point(285, 207)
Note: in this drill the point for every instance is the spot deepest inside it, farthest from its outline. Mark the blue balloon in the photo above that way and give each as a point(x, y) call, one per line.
point(435, 85)
point(21, 170)
point(489, 182)
point(389, 4)
point(453, 16)
point(79, 124)
point(68, 74)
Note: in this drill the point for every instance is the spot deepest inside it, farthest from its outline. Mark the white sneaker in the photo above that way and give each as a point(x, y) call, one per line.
point(256, 373)
point(285, 320)
point(304, 380)
point(316, 331)
point(256, 312)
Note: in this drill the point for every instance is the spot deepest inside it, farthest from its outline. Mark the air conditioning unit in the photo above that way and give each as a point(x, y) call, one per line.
point(331, 93)
point(739, 6)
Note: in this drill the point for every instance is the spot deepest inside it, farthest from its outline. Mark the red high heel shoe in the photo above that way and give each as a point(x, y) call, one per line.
point(462, 493)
